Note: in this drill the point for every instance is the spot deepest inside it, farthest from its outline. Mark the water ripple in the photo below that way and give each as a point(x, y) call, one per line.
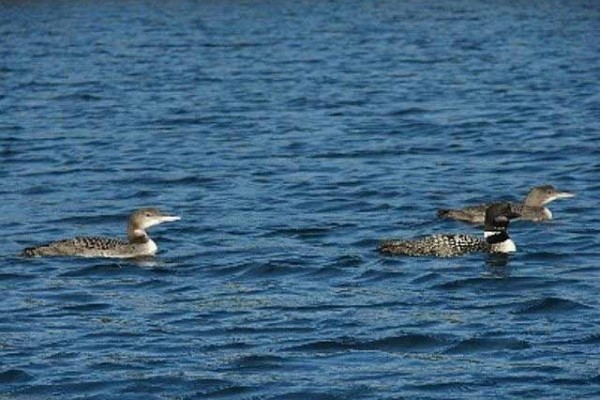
point(550, 305)
point(487, 344)
point(403, 343)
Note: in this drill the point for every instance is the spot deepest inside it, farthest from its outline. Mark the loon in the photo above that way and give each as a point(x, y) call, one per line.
point(495, 239)
point(138, 244)
point(532, 209)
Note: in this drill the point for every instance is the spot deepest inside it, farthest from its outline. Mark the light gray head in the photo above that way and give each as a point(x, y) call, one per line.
point(541, 195)
point(143, 219)
point(146, 217)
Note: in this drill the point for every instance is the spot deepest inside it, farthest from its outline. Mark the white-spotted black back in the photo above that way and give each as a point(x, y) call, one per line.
point(436, 245)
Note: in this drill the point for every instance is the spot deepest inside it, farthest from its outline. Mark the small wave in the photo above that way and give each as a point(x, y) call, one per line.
point(425, 278)
point(475, 345)
point(182, 121)
point(231, 391)
point(273, 268)
point(257, 362)
point(72, 296)
point(306, 395)
point(546, 256)
point(15, 277)
point(275, 330)
point(402, 343)
point(592, 339)
point(302, 233)
point(408, 111)
point(496, 282)
point(321, 346)
point(99, 269)
point(577, 381)
point(86, 307)
point(372, 275)
point(550, 305)
point(39, 190)
point(443, 387)
point(465, 283)
point(239, 346)
point(14, 376)
point(79, 96)
point(12, 128)
point(327, 272)
point(410, 342)
point(185, 180)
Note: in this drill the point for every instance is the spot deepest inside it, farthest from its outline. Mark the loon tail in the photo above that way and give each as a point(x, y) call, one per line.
point(444, 213)
point(31, 252)
point(393, 247)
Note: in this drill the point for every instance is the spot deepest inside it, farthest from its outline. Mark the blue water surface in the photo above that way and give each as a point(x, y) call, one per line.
point(292, 136)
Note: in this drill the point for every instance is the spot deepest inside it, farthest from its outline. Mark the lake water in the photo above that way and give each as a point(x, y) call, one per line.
point(292, 136)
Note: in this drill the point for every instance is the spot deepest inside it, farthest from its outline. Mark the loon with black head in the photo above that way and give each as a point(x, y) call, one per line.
point(532, 209)
point(494, 240)
point(138, 243)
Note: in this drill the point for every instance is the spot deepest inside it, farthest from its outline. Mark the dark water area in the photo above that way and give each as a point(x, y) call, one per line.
point(292, 137)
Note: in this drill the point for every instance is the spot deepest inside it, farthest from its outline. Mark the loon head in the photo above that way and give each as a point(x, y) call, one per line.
point(541, 195)
point(143, 219)
point(147, 217)
point(497, 217)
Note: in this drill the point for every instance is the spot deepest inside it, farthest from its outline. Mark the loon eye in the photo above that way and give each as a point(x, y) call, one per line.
point(148, 214)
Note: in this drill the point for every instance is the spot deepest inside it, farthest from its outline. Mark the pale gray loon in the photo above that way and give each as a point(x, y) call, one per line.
point(494, 240)
point(138, 244)
point(532, 209)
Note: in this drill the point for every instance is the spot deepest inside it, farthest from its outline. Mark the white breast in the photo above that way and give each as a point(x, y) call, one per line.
point(150, 248)
point(508, 246)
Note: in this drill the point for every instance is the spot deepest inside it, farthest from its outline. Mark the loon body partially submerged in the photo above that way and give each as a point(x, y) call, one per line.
point(138, 244)
point(495, 239)
point(532, 209)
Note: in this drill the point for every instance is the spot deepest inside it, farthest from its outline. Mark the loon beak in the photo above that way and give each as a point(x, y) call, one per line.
point(168, 218)
point(559, 195)
point(159, 219)
point(564, 195)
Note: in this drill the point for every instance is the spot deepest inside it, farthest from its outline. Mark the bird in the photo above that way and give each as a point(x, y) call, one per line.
point(531, 209)
point(138, 243)
point(494, 240)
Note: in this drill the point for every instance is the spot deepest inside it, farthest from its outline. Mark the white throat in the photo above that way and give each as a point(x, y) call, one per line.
point(506, 246)
point(150, 248)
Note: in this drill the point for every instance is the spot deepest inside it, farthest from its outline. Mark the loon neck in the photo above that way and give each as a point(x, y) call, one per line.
point(137, 235)
point(494, 237)
point(499, 242)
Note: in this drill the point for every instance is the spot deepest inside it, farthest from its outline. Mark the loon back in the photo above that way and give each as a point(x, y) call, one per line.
point(92, 246)
point(445, 245)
